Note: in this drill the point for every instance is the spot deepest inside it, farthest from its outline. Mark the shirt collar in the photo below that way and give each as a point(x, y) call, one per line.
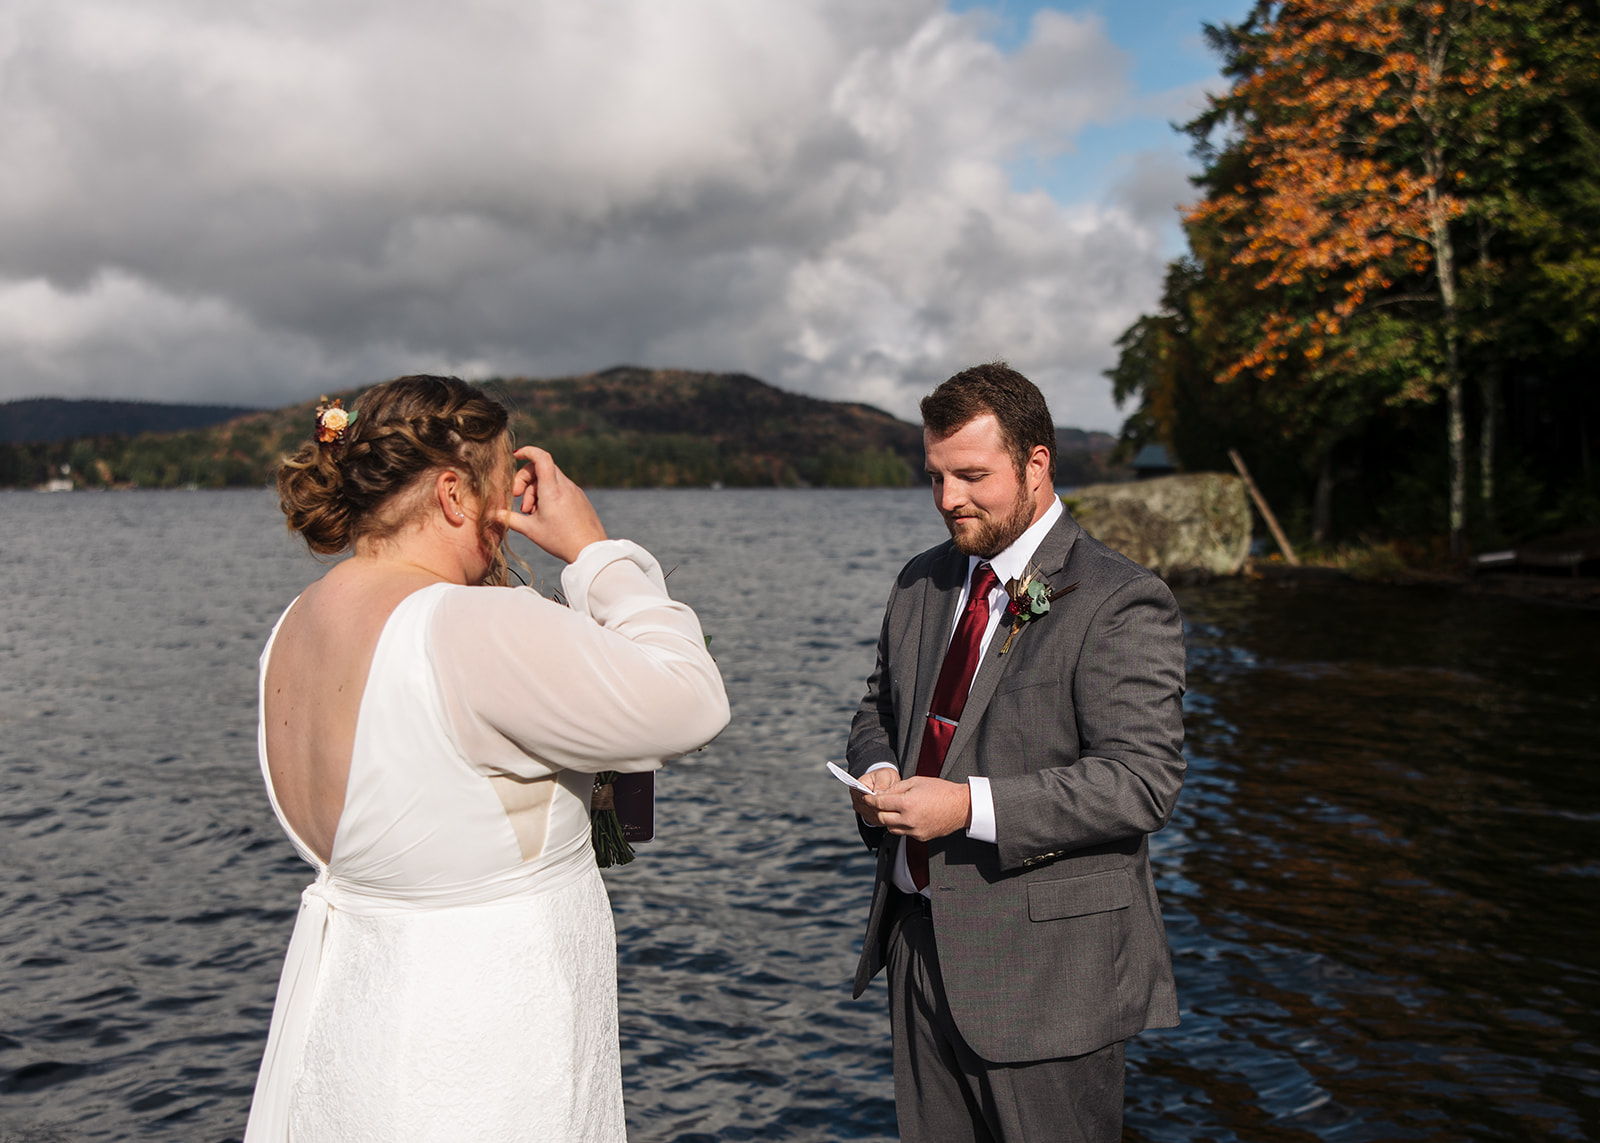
point(1011, 563)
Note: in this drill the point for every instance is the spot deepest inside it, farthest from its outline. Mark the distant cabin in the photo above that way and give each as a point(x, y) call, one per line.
point(1152, 461)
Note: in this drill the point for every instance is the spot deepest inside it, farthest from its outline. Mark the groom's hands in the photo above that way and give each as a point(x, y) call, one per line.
point(923, 808)
point(880, 780)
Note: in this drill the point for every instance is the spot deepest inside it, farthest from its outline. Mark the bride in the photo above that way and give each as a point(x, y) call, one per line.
point(428, 743)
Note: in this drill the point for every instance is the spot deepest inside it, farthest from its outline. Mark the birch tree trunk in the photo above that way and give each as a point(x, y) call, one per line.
point(1489, 393)
point(1456, 417)
point(1444, 261)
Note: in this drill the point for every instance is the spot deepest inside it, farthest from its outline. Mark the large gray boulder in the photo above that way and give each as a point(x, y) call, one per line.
point(1183, 528)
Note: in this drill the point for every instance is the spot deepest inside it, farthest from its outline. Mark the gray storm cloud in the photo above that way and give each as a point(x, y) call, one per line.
point(253, 203)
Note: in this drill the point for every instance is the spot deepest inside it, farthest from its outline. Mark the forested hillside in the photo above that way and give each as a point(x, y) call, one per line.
point(625, 427)
point(621, 428)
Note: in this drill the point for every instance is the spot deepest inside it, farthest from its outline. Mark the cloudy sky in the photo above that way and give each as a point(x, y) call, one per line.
point(251, 203)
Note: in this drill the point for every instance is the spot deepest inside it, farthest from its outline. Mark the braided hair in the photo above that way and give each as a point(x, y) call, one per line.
point(366, 485)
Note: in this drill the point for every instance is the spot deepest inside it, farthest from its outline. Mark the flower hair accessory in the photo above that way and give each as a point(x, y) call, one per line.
point(332, 421)
point(1031, 598)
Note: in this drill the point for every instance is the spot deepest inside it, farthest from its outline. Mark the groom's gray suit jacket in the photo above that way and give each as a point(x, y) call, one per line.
point(1050, 942)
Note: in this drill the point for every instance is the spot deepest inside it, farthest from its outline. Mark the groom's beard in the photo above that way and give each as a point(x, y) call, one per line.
point(991, 536)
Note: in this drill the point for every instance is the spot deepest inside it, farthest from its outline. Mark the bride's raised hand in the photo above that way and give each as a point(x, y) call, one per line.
point(549, 509)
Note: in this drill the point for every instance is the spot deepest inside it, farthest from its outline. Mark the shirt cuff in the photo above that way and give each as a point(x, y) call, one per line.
point(982, 827)
point(577, 576)
point(882, 766)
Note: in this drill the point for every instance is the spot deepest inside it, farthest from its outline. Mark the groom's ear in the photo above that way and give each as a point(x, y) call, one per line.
point(1037, 470)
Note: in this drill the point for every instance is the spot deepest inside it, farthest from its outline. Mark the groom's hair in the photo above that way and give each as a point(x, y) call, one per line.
point(996, 388)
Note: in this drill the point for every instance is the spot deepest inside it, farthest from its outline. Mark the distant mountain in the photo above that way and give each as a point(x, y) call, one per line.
point(633, 427)
point(625, 427)
point(1085, 458)
point(47, 419)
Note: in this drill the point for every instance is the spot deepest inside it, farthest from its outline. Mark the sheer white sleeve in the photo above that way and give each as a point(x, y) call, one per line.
point(620, 680)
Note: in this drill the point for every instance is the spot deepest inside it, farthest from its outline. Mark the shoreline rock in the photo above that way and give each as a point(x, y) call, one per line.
point(1187, 528)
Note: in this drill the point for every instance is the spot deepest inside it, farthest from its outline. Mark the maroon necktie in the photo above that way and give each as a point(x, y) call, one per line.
point(950, 698)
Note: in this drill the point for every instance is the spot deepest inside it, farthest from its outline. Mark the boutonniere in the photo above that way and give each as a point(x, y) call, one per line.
point(1031, 598)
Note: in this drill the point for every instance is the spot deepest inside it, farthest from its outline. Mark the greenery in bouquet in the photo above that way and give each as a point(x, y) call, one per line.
point(605, 829)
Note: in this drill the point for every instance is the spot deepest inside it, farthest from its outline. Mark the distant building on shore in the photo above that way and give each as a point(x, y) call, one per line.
point(1152, 461)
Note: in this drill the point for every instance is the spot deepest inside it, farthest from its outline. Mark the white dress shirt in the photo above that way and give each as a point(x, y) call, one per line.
point(1008, 565)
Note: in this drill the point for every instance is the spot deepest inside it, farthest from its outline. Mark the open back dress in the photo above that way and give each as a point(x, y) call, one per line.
point(452, 972)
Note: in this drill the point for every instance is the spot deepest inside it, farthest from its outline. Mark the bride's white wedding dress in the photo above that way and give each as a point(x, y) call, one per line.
point(452, 973)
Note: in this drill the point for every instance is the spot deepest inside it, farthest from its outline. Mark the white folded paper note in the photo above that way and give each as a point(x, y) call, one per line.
point(843, 775)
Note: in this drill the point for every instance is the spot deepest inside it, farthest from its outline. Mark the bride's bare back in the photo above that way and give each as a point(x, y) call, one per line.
point(316, 676)
point(318, 668)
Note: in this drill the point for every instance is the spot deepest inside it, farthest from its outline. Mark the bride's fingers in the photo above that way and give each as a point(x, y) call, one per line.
point(556, 515)
point(540, 469)
point(543, 466)
point(522, 491)
point(525, 482)
point(517, 522)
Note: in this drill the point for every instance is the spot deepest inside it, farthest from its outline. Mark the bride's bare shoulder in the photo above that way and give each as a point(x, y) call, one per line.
point(347, 607)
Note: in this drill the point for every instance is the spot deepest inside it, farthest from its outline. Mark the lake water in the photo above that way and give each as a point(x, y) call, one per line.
point(1382, 885)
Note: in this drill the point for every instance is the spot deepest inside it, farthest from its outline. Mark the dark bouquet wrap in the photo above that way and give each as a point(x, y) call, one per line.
point(622, 812)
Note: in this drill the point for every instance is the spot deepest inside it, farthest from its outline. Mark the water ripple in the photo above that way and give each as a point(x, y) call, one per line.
point(1379, 884)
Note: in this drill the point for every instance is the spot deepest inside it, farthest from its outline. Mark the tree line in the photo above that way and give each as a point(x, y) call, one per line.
point(249, 456)
point(623, 428)
point(1389, 301)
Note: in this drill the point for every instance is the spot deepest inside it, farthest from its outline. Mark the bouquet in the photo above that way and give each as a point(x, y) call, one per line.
point(605, 828)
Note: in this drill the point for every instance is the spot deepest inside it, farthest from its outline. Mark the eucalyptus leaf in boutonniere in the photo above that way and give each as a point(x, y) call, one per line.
point(1031, 598)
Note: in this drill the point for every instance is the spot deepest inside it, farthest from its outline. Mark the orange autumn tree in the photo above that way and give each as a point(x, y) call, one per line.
point(1357, 119)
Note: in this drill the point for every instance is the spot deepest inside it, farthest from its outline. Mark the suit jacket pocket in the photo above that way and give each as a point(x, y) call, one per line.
point(1079, 896)
point(1025, 679)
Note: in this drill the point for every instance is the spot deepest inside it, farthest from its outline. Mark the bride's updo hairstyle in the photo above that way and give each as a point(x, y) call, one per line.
point(368, 484)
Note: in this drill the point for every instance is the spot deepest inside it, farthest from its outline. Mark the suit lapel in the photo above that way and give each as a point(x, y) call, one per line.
point(1050, 559)
point(938, 620)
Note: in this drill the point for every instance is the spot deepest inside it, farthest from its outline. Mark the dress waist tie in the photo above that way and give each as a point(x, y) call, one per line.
point(291, 1015)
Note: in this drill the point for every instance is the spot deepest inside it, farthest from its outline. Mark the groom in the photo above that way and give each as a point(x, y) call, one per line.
point(1020, 759)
